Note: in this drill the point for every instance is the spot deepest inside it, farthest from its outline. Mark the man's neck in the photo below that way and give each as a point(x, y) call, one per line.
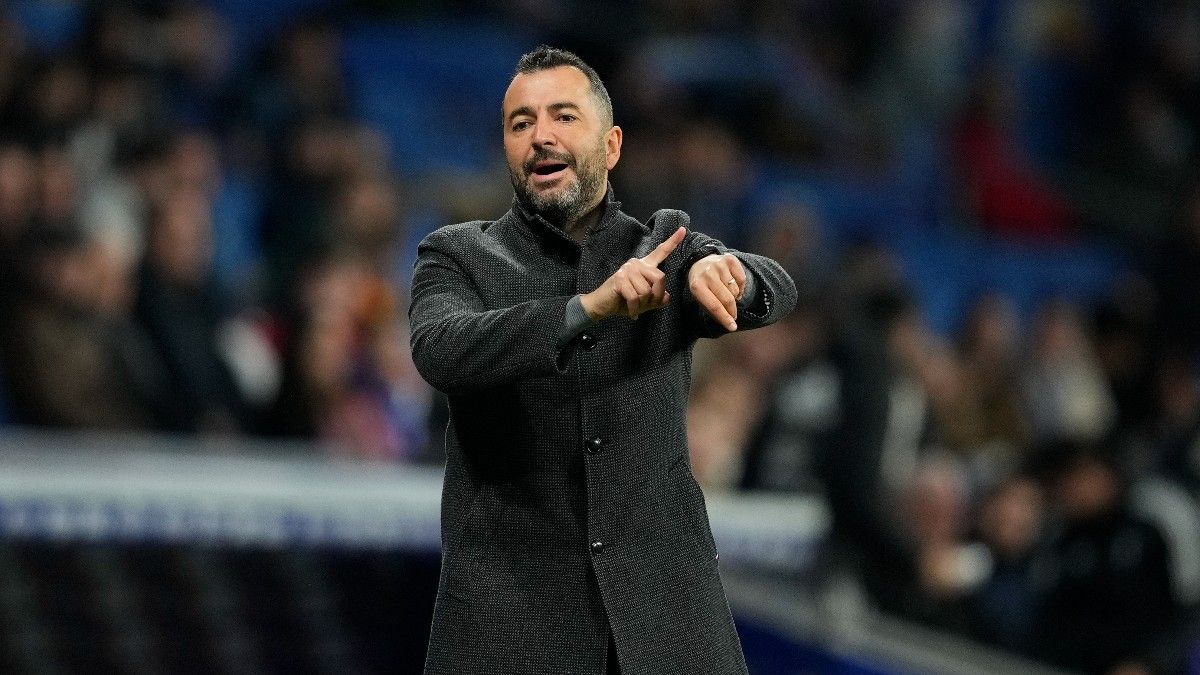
point(583, 224)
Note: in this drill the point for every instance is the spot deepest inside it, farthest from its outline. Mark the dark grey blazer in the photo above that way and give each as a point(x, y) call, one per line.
point(569, 508)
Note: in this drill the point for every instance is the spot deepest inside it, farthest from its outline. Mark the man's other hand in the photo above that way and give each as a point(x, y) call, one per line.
point(717, 281)
point(637, 286)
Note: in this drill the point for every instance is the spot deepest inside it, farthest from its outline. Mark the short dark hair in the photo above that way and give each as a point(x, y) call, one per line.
point(545, 57)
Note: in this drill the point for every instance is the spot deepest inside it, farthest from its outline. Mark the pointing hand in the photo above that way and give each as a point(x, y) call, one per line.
point(637, 286)
point(717, 281)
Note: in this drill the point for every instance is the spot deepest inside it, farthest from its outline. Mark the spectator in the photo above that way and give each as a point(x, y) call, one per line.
point(197, 42)
point(1123, 325)
point(299, 221)
point(1108, 604)
point(990, 352)
point(730, 396)
point(344, 382)
point(1177, 277)
point(178, 306)
point(299, 82)
point(948, 567)
point(18, 210)
point(791, 233)
point(802, 411)
point(1066, 394)
point(1010, 524)
point(1175, 434)
point(75, 358)
point(868, 459)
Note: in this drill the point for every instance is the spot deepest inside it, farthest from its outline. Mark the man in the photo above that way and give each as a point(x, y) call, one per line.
point(574, 536)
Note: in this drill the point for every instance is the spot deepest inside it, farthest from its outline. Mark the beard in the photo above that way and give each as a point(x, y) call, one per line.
point(565, 205)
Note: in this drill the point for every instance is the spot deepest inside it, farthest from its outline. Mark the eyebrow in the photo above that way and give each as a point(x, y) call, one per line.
point(553, 107)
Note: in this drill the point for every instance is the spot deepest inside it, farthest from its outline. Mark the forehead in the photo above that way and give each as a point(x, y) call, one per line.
point(544, 87)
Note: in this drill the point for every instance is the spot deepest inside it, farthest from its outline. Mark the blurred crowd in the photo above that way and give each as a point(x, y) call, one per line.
point(199, 235)
point(194, 248)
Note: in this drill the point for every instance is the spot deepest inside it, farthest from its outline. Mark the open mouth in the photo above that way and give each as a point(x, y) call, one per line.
point(546, 169)
point(549, 169)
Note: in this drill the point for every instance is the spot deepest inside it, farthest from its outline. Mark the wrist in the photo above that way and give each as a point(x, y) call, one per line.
point(590, 306)
point(700, 254)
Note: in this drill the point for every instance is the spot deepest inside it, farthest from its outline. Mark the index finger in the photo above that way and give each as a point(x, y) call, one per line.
point(664, 249)
point(715, 308)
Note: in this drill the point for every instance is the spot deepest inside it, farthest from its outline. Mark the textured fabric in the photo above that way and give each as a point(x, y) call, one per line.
point(569, 510)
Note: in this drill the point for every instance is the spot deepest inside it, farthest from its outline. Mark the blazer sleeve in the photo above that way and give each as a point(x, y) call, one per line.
point(459, 346)
point(775, 292)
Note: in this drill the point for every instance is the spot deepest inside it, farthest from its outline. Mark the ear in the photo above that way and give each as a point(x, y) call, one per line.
point(612, 147)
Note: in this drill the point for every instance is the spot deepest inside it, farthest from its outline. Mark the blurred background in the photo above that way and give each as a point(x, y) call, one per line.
point(974, 447)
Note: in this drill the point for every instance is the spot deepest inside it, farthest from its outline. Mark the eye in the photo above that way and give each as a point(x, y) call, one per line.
point(520, 125)
point(567, 117)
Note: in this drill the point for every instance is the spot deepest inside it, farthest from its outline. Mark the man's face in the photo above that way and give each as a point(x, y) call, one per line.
point(558, 143)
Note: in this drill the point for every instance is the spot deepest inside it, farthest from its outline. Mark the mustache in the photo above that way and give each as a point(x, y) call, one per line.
point(543, 154)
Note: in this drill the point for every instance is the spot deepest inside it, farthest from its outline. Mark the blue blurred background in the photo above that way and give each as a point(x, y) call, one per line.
point(989, 394)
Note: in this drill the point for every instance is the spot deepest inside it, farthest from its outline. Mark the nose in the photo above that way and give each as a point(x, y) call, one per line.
point(542, 135)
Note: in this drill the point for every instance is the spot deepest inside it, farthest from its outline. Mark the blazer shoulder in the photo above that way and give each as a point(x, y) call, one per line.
point(455, 237)
point(664, 222)
point(668, 220)
point(659, 227)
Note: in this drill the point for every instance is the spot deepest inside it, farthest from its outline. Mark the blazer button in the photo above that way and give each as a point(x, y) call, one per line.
point(587, 341)
point(597, 547)
point(593, 445)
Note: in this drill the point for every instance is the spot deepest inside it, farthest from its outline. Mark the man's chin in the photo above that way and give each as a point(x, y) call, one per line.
point(549, 190)
point(553, 197)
